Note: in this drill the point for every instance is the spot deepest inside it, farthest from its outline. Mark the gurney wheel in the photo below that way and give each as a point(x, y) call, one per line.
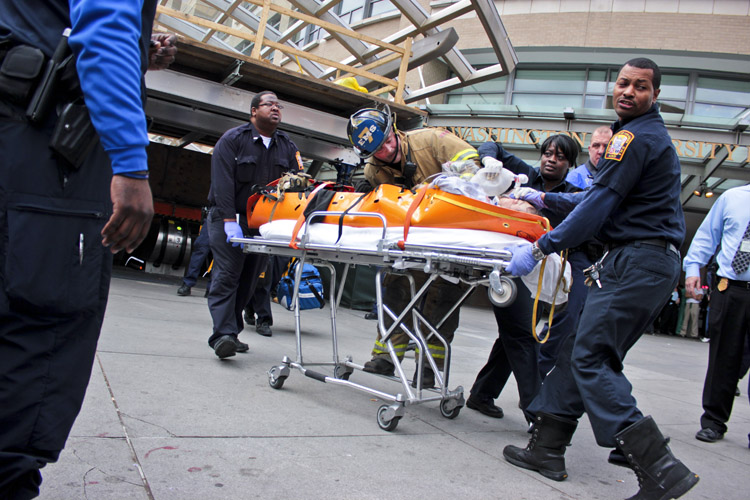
point(386, 425)
point(342, 372)
point(507, 293)
point(276, 382)
point(449, 413)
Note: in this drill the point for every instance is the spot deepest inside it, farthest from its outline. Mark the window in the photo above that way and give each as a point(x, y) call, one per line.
point(592, 88)
point(377, 7)
point(487, 92)
point(596, 89)
point(721, 98)
point(549, 88)
point(350, 12)
point(674, 93)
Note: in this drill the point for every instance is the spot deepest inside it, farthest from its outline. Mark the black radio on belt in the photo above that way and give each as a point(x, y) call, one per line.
point(45, 94)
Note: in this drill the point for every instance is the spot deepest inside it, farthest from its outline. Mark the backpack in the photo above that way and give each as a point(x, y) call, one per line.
point(310, 289)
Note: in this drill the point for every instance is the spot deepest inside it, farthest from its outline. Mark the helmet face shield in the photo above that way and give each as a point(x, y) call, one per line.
point(368, 130)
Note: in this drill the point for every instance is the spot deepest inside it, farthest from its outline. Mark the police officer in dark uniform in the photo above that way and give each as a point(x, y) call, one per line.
point(252, 154)
point(515, 349)
point(634, 208)
point(61, 207)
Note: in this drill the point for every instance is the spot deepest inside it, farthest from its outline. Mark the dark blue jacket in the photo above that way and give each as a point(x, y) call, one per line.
point(635, 195)
point(241, 161)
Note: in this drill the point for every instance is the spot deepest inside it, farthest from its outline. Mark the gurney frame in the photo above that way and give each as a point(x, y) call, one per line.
point(472, 266)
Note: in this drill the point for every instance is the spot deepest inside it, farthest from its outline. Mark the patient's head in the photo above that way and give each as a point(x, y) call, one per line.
point(517, 205)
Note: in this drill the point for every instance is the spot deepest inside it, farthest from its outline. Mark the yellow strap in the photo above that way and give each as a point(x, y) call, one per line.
point(544, 222)
point(560, 279)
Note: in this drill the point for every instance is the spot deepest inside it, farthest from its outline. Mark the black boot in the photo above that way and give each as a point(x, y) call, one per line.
point(545, 452)
point(616, 457)
point(660, 475)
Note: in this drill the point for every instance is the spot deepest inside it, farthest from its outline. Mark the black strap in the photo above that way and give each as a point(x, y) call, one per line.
point(410, 168)
point(320, 202)
point(321, 300)
point(341, 219)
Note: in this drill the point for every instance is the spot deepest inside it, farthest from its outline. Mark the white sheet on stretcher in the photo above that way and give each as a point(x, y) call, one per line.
point(367, 238)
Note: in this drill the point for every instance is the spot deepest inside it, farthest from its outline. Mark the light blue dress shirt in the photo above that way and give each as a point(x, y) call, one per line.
point(581, 176)
point(725, 223)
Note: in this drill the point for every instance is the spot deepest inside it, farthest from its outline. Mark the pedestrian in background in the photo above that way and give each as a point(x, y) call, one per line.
point(726, 230)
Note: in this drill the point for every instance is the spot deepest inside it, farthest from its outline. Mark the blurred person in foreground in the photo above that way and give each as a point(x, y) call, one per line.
point(73, 188)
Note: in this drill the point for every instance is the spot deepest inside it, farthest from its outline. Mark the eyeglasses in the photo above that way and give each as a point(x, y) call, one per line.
point(271, 104)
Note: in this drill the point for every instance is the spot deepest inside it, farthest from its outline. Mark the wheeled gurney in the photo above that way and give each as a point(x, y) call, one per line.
point(368, 240)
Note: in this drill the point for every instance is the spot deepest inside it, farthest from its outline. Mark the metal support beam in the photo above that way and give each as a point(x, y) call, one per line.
point(423, 51)
point(233, 73)
point(495, 71)
point(417, 15)
point(493, 26)
point(244, 16)
point(709, 167)
point(184, 105)
point(188, 139)
point(232, 102)
point(352, 45)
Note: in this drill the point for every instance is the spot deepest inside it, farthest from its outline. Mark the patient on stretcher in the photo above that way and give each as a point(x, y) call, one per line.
point(517, 205)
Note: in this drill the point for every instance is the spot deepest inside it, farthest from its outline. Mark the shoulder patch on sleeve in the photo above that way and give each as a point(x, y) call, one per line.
point(618, 144)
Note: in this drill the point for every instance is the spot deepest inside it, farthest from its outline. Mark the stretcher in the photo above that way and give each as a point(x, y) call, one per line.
point(368, 239)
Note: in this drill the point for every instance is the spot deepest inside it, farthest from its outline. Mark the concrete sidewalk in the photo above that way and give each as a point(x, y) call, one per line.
point(165, 419)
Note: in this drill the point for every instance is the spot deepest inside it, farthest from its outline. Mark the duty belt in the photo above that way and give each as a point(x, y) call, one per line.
point(737, 283)
point(656, 242)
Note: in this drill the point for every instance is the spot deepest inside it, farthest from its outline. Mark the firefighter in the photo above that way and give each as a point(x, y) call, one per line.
point(407, 159)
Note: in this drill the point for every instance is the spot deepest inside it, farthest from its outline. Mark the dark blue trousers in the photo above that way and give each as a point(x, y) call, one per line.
point(515, 350)
point(201, 249)
point(235, 276)
point(565, 322)
point(637, 280)
point(54, 282)
point(260, 301)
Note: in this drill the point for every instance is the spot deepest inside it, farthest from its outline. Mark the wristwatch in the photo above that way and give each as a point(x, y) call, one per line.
point(536, 252)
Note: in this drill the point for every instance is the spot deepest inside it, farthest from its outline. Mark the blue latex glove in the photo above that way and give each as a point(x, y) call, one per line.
point(233, 230)
point(531, 195)
point(523, 262)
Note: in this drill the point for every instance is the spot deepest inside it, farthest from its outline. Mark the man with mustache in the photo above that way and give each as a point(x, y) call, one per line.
point(634, 208)
point(255, 153)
